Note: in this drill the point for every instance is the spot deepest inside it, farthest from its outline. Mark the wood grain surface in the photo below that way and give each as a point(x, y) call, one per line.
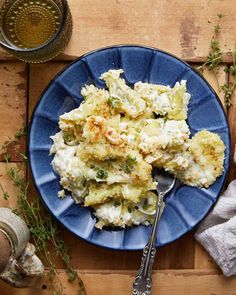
point(13, 103)
point(183, 28)
point(180, 282)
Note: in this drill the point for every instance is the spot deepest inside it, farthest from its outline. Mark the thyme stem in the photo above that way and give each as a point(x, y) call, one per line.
point(213, 61)
point(44, 231)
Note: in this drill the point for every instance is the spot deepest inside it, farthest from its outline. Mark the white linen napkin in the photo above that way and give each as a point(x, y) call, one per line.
point(217, 232)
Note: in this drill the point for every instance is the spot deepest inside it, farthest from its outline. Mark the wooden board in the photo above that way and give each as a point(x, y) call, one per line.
point(192, 282)
point(181, 27)
point(8, 187)
point(13, 104)
point(86, 256)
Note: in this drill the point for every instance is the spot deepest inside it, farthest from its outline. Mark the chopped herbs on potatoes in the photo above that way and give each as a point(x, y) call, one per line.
point(85, 181)
point(101, 174)
point(126, 132)
point(129, 164)
point(117, 203)
point(114, 101)
point(68, 138)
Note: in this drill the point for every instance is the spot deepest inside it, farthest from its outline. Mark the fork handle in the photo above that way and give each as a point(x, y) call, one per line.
point(143, 281)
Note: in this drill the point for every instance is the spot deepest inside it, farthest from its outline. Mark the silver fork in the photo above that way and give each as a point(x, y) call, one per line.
point(142, 284)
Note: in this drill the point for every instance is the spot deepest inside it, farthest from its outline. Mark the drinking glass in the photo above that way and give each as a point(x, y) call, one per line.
point(35, 30)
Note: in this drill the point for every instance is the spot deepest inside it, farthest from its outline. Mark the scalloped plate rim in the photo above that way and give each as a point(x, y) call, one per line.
point(117, 47)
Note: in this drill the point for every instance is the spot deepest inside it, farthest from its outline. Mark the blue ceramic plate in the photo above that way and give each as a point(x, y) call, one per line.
point(185, 206)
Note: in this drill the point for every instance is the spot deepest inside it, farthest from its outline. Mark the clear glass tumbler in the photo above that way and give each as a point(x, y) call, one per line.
point(35, 30)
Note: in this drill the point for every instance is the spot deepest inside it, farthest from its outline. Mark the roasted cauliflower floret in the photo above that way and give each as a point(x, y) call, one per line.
point(206, 154)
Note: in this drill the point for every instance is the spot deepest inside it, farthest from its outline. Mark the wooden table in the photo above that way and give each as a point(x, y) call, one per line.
point(183, 28)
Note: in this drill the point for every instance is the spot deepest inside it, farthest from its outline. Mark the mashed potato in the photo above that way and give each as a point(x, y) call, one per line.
point(106, 149)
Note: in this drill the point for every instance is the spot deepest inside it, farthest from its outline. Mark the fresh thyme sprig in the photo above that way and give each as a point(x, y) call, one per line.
point(214, 60)
point(214, 57)
point(230, 87)
point(40, 227)
point(4, 193)
point(43, 231)
point(217, 26)
point(21, 132)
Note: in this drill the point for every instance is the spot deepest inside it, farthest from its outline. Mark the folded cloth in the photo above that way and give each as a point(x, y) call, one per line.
point(217, 232)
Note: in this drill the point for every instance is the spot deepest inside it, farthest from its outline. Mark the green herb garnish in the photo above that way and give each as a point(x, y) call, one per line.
point(6, 158)
point(110, 162)
point(21, 132)
point(165, 118)
point(101, 174)
point(230, 87)
point(145, 204)
point(214, 59)
point(117, 204)
point(131, 160)
point(114, 101)
point(129, 164)
point(24, 157)
point(4, 193)
point(126, 168)
point(84, 181)
point(68, 137)
point(217, 26)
